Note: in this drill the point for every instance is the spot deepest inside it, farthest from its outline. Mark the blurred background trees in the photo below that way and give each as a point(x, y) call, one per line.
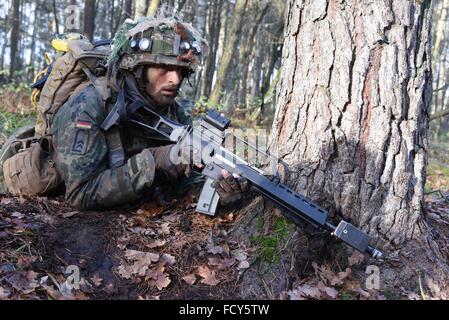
point(238, 75)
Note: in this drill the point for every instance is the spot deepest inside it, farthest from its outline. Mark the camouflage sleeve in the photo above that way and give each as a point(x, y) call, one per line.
point(82, 158)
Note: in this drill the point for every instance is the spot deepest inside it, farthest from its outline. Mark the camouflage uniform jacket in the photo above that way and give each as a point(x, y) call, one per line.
point(81, 154)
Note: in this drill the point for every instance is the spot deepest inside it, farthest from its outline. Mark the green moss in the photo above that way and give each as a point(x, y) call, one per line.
point(390, 294)
point(270, 246)
point(347, 295)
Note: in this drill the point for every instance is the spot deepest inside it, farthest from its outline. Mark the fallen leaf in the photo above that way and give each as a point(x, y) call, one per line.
point(69, 214)
point(24, 261)
point(356, 258)
point(164, 228)
point(17, 215)
point(220, 264)
point(85, 286)
point(156, 243)
point(211, 246)
point(208, 276)
point(155, 272)
point(124, 271)
point(162, 281)
point(23, 281)
point(225, 248)
point(6, 201)
point(330, 292)
point(168, 258)
point(151, 212)
point(239, 254)
point(190, 278)
point(179, 244)
point(96, 280)
point(305, 291)
point(4, 293)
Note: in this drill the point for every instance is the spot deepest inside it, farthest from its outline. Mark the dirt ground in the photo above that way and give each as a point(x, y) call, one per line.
point(152, 252)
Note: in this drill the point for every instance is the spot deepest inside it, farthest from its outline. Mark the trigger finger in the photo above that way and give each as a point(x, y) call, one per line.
point(233, 183)
point(243, 183)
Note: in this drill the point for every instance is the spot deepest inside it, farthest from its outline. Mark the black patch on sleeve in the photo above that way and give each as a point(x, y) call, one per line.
point(80, 142)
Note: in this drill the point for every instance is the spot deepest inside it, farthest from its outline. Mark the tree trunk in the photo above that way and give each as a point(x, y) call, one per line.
point(89, 18)
point(14, 38)
point(33, 65)
point(228, 52)
point(127, 9)
point(213, 35)
point(141, 8)
point(153, 7)
point(351, 126)
point(55, 17)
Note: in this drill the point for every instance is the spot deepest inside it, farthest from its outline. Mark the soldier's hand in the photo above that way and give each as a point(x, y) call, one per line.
point(174, 159)
point(162, 160)
point(230, 188)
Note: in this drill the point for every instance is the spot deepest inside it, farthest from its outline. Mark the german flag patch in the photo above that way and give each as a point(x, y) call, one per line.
point(86, 125)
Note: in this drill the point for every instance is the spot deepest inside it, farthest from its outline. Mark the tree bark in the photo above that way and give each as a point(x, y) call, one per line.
point(55, 17)
point(89, 19)
point(14, 38)
point(228, 52)
point(153, 7)
point(351, 126)
point(141, 8)
point(127, 9)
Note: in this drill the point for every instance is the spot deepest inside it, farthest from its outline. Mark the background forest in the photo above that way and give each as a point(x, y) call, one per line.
point(245, 39)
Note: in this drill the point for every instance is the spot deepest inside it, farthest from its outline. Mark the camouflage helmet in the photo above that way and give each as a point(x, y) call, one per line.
point(157, 40)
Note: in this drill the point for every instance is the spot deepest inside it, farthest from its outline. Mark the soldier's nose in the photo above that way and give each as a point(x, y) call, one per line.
point(174, 77)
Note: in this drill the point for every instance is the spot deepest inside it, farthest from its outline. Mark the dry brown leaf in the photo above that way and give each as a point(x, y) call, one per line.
point(179, 244)
point(190, 278)
point(208, 276)
point(155, 272)
point(162, 281)
point(23, 281)
point(239, 254)
point(4, 293)
point(356, 258)
point(168, 258)
point(243, 265)
point(305, 291)
point(220, 264)
point(147, 257)
point(164, 228)
point(225, 248)
point(124, 271)
point(156, 244)
point(96, 280)
point(151, 212)
point(69, 214)
point(329, 291)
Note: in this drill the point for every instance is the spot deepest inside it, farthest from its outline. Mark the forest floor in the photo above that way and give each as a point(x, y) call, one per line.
point(154, 252)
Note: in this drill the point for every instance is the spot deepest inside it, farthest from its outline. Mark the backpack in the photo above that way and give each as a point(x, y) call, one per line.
point(28, 167)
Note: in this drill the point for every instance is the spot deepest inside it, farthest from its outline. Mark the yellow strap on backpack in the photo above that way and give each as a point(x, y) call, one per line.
point(61, 44)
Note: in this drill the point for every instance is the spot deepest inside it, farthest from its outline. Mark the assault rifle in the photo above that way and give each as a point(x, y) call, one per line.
point(207, 140)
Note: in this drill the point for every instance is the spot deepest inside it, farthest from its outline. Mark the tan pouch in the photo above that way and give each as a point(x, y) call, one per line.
point(31, 171)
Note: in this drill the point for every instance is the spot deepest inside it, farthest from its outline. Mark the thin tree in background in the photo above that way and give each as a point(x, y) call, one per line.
point(153, 7)
point(14, 40)
point(89, 18)
point(228, 51)
point(140, 8)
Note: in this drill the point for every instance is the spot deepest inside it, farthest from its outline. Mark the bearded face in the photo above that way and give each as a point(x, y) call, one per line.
point(163, 84)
